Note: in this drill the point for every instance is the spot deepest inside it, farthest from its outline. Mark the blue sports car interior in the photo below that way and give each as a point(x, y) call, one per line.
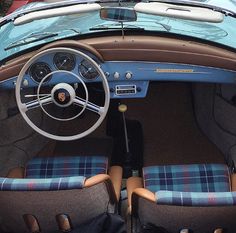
point(118, 117)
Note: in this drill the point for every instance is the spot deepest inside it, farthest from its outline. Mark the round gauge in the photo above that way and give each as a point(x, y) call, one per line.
point(87, 71)
point(39, 70)
point(64, 61)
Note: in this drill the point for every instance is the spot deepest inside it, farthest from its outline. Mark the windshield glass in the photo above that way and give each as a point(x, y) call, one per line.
point(21, 37)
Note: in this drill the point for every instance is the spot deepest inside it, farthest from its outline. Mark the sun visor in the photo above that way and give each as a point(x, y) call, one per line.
point(59, 11)
point(179, 11)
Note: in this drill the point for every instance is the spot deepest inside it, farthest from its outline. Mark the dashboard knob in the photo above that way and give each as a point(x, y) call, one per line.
point(116, 75)
point(128, 75)
point(107, 74)
point(122, 108)
point(25, 83)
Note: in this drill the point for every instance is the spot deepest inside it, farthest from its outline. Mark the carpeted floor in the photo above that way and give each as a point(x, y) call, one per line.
point(171, 135)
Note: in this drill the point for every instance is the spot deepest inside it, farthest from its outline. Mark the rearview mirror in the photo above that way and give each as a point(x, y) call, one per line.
point(120, 14)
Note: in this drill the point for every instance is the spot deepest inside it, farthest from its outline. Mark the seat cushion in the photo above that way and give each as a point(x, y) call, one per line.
point(53, 167)
point(11, 184)
point(187, 178)
point(196, 198)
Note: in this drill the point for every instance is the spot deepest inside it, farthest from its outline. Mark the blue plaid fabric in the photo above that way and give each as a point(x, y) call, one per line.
point(187, 178)
point(53, 167)
point(10, 184)
point(195, 198)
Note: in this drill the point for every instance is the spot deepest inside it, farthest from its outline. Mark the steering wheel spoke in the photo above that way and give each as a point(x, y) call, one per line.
point(36, 103)
point(89, 106)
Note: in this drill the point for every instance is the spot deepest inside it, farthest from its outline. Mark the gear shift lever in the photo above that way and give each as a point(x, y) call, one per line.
point(128, 157)
point(122, 109)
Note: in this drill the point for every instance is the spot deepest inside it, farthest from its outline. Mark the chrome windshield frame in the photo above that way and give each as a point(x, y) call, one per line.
point(18, 13)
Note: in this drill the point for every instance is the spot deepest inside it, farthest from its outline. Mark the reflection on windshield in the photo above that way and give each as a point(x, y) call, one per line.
point(208, 32)
point(199, 29)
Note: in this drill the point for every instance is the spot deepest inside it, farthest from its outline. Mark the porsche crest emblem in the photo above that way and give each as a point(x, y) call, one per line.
point(61, 96)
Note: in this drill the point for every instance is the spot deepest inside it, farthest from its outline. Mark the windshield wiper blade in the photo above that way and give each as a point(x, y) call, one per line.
point(115, 27)
point(33, 37)
point(126, 27)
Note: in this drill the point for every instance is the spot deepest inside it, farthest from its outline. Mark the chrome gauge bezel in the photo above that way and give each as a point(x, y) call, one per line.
point(72, 60)
point(82, 75)
point(42, 63)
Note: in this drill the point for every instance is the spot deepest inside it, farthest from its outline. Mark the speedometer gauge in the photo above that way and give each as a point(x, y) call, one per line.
point(64, 61)
point(39, 70)
point(87, 70)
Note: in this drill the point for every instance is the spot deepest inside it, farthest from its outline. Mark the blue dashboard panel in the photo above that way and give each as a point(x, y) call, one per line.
point(154, 71)
point(130, 79)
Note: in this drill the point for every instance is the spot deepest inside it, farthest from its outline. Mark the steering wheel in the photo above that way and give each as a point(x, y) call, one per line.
point(62, 95)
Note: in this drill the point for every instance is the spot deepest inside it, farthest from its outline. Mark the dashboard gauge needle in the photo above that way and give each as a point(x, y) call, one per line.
point(88, 70)
point(62, 64)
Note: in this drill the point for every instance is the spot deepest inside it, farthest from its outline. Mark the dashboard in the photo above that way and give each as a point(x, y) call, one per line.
point(127, 78)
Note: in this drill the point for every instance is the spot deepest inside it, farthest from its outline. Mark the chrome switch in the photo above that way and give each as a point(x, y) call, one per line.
point(116, 75)
point(128, 75)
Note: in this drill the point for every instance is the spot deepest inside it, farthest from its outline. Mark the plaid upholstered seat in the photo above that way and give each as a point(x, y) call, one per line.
point(53, 167)
point(196, 198)
point(10, 184)
point(49, 191)
point(187, 178)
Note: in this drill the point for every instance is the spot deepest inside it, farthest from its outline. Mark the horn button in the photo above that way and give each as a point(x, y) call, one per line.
point(63, 94)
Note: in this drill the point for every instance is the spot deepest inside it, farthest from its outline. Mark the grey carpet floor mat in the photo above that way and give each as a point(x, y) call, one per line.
point(171, 134)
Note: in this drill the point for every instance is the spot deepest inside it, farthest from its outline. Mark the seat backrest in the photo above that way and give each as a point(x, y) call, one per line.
point(66, 166)
point(196, 197)
point(76, 197)
point(187, 178)
point(173, 218)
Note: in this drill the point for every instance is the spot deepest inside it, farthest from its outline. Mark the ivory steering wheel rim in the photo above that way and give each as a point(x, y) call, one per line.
point(102, 110)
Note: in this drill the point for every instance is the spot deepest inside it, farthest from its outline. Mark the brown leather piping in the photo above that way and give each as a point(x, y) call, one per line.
point(132, 184)
point(115, 173)
point(100, 179)
point(233, 183)
point(18, 172)
point(148, 195)
point(95, 180)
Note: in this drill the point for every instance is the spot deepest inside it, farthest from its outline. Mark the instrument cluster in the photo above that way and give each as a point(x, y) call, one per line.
point(62, 61)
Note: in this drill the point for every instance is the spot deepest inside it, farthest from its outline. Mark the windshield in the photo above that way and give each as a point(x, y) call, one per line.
point(17, 38)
